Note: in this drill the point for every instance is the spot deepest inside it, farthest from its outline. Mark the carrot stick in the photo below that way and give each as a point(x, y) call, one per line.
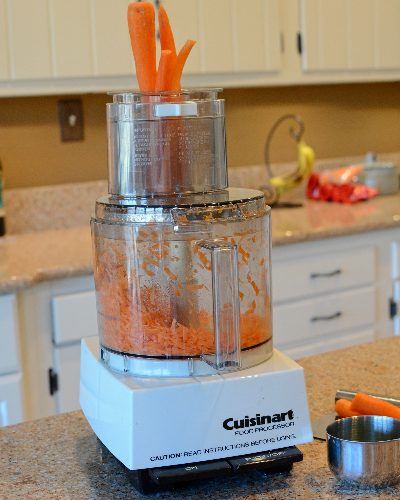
point(343, 409)
point(141, 23)
point(165, 70)
point(368, 405)
point(166, 35)
point(180, 63)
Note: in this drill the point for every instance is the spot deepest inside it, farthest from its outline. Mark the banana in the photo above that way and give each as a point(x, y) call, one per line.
point(306, 158)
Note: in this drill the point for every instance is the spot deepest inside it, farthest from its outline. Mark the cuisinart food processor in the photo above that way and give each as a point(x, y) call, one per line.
point(182, 381)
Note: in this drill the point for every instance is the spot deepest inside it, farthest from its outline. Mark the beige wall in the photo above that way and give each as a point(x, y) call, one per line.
point(341, 120)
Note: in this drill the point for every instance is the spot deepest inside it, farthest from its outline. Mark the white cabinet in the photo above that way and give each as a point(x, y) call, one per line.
point(67, 368)
point(112, 49)
point(347, 35)
point(395, 304)
point(70, 26)
point(11, 405)
point(53, 47)
point(11, 408)
point(55, 316)
point(49, 39)
point(332, 293)
point(29, 39)
point(74, 317)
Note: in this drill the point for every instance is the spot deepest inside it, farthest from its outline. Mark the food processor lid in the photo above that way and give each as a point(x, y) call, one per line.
point(232, 204)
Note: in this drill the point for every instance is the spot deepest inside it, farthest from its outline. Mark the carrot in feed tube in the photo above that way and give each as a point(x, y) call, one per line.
point(165, 71)
point(141, 23)
point(166, 36)
point(180, 63)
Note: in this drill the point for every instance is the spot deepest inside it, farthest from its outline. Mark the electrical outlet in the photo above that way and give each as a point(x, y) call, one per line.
point(70, 115)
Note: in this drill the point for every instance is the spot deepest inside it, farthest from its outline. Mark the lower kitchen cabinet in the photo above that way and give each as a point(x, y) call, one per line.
point(55, 316)
point(66, 370)
point(11, 404)
point(326, 295)
point(332, 293)
point(11, 396)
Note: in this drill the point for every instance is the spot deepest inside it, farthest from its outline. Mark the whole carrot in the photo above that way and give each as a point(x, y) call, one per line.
point(141, 23)
point(165, 70)
point(368, 405)
point(180, 62)
point(166, 36)
point(343, 409)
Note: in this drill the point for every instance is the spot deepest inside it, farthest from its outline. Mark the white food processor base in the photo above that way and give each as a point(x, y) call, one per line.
point(156, 422)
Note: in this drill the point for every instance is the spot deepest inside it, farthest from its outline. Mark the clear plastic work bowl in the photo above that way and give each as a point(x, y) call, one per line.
point(183, 290)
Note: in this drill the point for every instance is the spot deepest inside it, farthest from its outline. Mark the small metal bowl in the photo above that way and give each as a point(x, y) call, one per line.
point(365, 449)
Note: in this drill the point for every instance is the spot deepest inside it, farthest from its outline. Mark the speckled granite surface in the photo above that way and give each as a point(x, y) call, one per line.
point(29, 258)
point(59, 458)
point(48, 235)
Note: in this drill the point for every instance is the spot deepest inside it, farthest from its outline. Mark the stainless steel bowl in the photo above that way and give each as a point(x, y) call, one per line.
point(365, 449)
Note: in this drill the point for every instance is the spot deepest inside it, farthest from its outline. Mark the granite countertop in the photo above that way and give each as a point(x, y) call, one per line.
point(58, 457)
point(29, 258)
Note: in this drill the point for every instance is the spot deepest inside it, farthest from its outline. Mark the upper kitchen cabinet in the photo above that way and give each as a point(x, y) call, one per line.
point(357, 37)
point(29, 36)
point(54, 47)
point(112, 49)
point(233, 38)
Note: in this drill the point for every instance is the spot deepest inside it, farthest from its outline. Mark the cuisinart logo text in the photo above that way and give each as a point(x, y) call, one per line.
point(259, 423)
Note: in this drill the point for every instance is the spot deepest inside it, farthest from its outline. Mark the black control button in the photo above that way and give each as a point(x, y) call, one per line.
point(266, 460)
point(189, 472)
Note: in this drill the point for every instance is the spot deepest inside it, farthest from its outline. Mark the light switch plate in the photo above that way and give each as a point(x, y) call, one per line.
point(70, 115)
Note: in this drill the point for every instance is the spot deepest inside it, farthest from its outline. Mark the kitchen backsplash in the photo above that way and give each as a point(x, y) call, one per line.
point(69, 205)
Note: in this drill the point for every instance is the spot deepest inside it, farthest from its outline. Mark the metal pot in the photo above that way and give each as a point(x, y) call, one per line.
point(382, 176)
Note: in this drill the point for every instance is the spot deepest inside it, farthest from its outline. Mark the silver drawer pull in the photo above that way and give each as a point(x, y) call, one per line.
point(326, 275)
point(326, 318)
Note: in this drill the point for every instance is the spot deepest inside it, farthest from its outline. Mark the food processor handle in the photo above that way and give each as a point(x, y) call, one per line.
point(226, 305)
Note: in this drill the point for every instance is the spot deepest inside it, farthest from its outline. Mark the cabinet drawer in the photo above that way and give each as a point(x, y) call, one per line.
point(333, 343)
point(310, 319)
point(8, 334)
point(74, 317)
point(315, 274)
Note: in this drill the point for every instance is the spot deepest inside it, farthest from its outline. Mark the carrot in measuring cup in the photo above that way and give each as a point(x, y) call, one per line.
point(343, 409)
point(180, 63)
point(369, 405)
point(165, 71)
point(141, 23)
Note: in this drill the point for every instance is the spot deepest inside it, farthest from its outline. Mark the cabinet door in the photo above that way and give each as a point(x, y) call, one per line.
point(112, 47)
point(184, 18)
point(387, 34)
point(256, 40)
point(67, 366)
point(71, 38)
point(11, 399)
point(4, 60)
point(336, 34)
point(232, 36)
point(8, 334)
point(343, 35)
point(29, 39)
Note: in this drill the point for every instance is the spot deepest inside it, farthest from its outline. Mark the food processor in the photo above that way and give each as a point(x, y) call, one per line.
point(182, 381)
